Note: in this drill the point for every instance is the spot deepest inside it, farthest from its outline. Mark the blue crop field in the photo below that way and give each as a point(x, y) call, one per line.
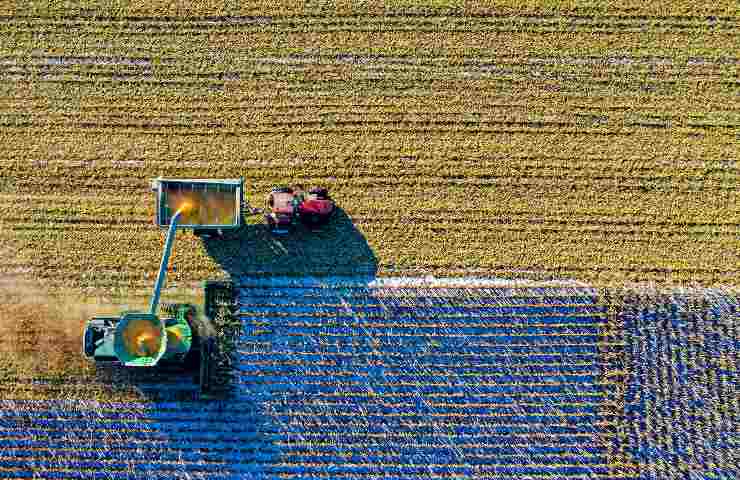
point(682, 401)
point(355, 379)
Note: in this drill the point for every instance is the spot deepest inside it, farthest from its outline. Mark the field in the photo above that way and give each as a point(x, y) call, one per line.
point(344, 378)
point(586, 141)
point(601, 147)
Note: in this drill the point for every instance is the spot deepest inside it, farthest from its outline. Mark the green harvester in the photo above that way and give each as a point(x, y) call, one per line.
point(179, 336)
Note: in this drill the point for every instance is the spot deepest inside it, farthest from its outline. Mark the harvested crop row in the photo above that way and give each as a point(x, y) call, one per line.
point(162, 10)
point(265, 103)
point(120, 147)
point(155, 26)
point(565, 43)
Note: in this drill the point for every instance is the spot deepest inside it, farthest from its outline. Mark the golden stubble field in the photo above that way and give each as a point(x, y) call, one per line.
point(587, 142)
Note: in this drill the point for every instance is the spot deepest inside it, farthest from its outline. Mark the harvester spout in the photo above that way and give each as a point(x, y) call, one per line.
point(165, 259)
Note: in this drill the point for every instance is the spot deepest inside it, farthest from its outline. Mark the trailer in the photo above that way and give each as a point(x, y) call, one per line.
point(216, 205)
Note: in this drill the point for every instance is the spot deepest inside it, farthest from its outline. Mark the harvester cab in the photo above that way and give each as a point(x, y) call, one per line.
point(179, 336)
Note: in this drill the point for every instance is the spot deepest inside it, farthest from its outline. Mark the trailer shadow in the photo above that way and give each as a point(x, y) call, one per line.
point(337, 248)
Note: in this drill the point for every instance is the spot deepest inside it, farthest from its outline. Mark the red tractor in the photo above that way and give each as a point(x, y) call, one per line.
point(287, 206)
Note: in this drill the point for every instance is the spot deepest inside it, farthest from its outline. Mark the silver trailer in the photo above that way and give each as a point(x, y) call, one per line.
point(215, 205)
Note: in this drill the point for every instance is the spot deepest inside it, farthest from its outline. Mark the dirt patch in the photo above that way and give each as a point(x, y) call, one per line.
point(41, 334)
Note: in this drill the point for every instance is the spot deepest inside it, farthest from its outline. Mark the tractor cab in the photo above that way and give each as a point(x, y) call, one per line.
point(288, 206)
point(316, 208)
point(281, 207)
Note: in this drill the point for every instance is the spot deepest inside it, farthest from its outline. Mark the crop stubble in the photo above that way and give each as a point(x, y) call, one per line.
point(594, 146)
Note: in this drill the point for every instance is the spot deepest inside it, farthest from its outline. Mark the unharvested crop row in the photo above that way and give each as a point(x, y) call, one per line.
point(489, 398)
point(359, 348)
point(553, 415)
point(432, 324)
point(533, 309)
point(532, 312)
point(251, 365)
point(408, 374)
point(546, 444)
point(385, 404)
point(458, 291)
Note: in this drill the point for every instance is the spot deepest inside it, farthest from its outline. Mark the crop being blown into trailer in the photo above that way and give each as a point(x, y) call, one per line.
point(179, 335)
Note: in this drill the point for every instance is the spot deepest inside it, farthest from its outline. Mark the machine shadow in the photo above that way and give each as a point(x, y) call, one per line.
point(336, 249)
point(224, 435)
point(301, 257)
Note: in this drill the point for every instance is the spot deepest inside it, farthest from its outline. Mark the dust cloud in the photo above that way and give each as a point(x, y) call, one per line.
point(41, 334)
